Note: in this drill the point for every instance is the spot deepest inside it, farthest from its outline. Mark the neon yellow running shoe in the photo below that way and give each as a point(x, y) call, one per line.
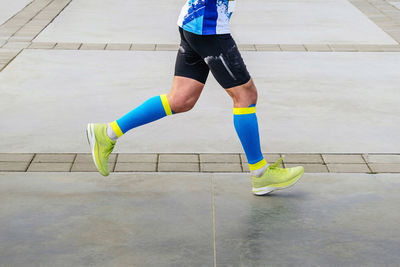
point(275, 178)
point(100, 145)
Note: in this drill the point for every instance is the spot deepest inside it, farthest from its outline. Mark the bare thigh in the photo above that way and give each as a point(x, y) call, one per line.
point(184, 93)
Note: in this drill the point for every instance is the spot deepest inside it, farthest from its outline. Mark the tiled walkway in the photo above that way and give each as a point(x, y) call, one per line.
point(129, 162)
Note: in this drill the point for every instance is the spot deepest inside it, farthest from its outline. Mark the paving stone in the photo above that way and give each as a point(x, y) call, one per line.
point(167, 47)
point(343, 158)
point(67, 46)
point(245, 167)
point(369, 48)
point(302, 158)
point(89, 167)
point(220, 167)
point(246, 47)
point(39, 23)
point(49, 158)
point(30, 29)
point(135, 167)
point(292, 47)
point(42, 45)
point(318, 48)
point(334, 167)
point(128, 157)
point(387, 23)
point(194, 158)
point(343, 48)
point(17, 157)
point(267, 47)
point(215, 158)
point(2, 42)
point(396, 37)
point(5, 60)
point(390, 13)
point(13, 166)
point(143, 47)
point(269, 157)
point(385, 167)
point(118, 46)
point(309, 167)
point(87, 158)
point(2, 66)
point(50, 167)
point(380, 19)
point(178, 167)
point(370, 158)
point(16, 45)
point(390, 48)
point(22, 37)
point(392, 30)
point(8, 54)
point(93, 46)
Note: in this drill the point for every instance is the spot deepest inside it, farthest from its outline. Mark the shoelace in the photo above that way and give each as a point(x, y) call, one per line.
point(276, 164)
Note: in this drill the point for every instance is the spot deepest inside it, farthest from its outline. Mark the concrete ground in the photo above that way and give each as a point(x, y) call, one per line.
point(327, 75)
point(307, 102)
point(197, 219)
point(283, 22)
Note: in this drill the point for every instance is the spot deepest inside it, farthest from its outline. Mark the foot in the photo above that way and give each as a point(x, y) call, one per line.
point(100, 145)
point(275, 178)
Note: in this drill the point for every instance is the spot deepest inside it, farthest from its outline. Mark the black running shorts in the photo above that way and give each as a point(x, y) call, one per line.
point(200, 53)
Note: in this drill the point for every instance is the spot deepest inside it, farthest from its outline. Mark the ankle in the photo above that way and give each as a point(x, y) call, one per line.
point(110, 132)
point(259, 172)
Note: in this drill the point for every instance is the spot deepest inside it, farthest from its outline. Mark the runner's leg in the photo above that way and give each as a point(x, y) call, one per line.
point(226, 64)
point(182, 97)
point(190, 76)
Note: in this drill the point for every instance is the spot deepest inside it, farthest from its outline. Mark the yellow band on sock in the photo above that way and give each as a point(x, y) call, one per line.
point(243, 111)
point(257, 165)
point(117, 130)
point(165, 103)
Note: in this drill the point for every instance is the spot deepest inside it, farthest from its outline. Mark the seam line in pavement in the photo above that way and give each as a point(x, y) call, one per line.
point(328, 47)
point(73, 162)
point(366, 162)
point(207, 162)
point(10, 59)
point(213, 220)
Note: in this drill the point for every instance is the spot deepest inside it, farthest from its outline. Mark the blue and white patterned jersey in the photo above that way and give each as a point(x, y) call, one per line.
point(206, 17)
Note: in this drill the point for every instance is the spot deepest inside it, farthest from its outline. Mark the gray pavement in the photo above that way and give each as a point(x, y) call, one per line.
point(186, 219)
point(286, 22)
point(327, 75)
point(308, 102)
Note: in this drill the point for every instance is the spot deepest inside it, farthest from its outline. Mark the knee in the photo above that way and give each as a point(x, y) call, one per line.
point(181, 104)
point(244, 95)
point(250, 96)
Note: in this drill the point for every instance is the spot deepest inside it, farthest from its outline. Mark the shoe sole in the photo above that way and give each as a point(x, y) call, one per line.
point(269, 189)
point(92, 142)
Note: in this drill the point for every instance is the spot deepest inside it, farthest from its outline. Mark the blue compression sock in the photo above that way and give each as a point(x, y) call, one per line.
point(246, 125)
point(152, 109)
